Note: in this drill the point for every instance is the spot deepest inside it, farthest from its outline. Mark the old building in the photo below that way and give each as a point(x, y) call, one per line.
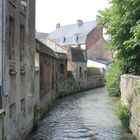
point(1, 118)
point(50, 76)
point(45, 86)
point(102, 64)
point(61, 73)
point(76, 65)
point(85, 35)
point(18, 67)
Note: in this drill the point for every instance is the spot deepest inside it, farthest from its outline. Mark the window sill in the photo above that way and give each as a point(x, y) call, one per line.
point(23, 68)
point(11, 72)
point(12, 67)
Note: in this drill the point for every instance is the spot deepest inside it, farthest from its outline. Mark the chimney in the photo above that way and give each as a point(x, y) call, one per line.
point(79, 22)
point(57, 25)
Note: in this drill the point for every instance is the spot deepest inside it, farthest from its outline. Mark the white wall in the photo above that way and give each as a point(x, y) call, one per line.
point(91, 63)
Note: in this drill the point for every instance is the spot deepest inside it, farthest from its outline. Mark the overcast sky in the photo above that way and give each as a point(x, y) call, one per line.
point(51, 12)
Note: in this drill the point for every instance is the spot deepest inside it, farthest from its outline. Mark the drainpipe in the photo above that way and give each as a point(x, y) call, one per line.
point(4, 48)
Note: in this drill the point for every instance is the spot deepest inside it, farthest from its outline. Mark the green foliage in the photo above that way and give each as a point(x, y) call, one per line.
point(123, 114)
point(122, 23)
point(113, 79)
point(136, 85)
point(91, 71)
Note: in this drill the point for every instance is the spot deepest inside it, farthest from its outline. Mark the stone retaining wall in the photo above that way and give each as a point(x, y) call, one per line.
point(95, 81)
point(130, 96)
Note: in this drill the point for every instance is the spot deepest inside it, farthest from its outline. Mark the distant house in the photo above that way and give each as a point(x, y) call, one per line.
point(102, 64)
point(56, 47)
point(85, 35)
point(77, 64)
point(77, 61)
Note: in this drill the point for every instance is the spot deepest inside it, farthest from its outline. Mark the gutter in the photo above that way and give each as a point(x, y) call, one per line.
point(4, 48)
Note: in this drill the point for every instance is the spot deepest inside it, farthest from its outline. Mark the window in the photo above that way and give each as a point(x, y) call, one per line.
point(75, 38)
point(62, 68)
point(12, 112)
point(80, 72)
point(63, 39)
point(85, 73)
point(36, 61)
point(11, 48)
point(23, 107)
point(22, 42)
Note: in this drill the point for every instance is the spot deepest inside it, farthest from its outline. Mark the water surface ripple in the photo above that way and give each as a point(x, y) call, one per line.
point(84, 116)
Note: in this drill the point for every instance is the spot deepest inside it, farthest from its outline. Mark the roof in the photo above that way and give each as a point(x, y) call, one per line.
point(77, 55)
point(41, 47)
point(40, 35)
point(102, 61)
point(65, 34)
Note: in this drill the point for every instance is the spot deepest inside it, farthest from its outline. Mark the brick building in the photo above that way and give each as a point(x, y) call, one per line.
point(18, 67)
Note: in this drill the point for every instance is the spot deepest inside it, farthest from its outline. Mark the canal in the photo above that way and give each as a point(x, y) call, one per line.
point(84, 116)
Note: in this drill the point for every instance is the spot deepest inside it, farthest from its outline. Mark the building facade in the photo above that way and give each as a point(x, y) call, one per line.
point(50, 77)
point(84, 35)
point(18, 94)
point(44, 75)
point(76, 63)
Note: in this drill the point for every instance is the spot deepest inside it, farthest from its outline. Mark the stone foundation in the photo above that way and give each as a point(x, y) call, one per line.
point(130, 96)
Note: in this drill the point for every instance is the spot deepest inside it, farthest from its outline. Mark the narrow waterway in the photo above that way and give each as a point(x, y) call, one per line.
point(84, 116)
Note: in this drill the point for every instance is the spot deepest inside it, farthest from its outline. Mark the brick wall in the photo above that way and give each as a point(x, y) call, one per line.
point(95, 35)
point(95, 45)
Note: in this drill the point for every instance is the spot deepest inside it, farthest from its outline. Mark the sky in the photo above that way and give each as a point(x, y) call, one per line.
point(51, 12)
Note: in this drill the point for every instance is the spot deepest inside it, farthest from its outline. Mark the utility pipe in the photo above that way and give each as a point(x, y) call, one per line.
point(4, 48)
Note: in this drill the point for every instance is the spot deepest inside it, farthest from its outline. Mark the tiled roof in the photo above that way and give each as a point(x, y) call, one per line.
point(68, 32)
point(40, 46)
point(77, 55)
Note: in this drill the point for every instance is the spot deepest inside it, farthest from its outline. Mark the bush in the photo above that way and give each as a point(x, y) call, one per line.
point(123, 114)
point(113, 78)
point(92, 71)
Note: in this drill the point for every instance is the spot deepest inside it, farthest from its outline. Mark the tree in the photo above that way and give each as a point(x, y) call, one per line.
point(122, 22)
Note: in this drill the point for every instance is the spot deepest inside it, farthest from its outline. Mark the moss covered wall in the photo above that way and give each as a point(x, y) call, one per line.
point(130, 96)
